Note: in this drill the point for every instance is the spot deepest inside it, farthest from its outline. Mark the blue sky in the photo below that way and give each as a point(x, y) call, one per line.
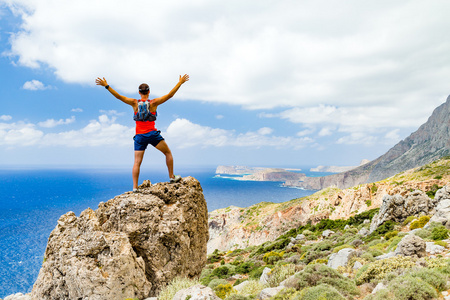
point(272, 83)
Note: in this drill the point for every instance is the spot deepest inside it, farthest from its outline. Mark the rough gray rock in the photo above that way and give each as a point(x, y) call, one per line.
point(432, 248)
point(411, 245)
point(265, 276)
point(269, 292)
point(442, 210)
point(363, 231)
point(327, 233)
point(357, 265)
point(130, 247)
point(397, 208)
point(379, 286)
point(442, 213)
point(196, 292)
point(340, 259)
point(241, 285)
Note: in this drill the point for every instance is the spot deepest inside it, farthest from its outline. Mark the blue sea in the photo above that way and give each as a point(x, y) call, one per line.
point(32, 200)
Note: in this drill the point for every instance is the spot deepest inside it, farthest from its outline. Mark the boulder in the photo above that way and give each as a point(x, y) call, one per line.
point(196, 292)
point(411, 245)
point(363, 231)
point(432, 248)
point(442, 213)
point(340, 259)
point(357, 265)
point(241, 285)
point(130, 247)
point(327, 233)
point(398, 208)
point(387, 255)
point(269, 292)
point(265, 276)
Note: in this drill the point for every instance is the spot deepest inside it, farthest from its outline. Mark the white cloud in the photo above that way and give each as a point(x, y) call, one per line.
point(358, 138)
point(50, 123)
point(219, 117)
point(77, 110)
point(298, 52)
point(183, 133)
point(35, 85)
point(102, 132)
point(5, 117)
point(325, 131)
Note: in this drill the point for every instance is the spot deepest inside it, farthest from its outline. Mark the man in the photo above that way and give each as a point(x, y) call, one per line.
point(146, 132)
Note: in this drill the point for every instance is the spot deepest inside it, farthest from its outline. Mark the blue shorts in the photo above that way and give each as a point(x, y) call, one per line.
point(141, 141)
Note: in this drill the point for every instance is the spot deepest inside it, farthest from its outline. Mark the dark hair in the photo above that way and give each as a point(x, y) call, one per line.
point(144, 89)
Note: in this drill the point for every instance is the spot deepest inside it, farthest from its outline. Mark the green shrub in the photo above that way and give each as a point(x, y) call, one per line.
point(215, 256)
point(408, 287)
point(382, 294)
point(391, 234)
point(174, 286)
point(245, 267)
point(423, 233)
point(432, 192)
point(223, 290)
point(285, 294)
point(385, 227)
point(222, 272)
point(441, 243)
point(215, 282)
point(321, 291)
point(272, 257)
point(380, 268)
point(408, 220)
point(237, 297)
point(419, 223)
point(339, 248)
point(280, 273)
point(431, 276)
point(317, 274)
point(439, 233)
point(393, 243)
point(254, 287)
point(373, 189)
point(257, 272)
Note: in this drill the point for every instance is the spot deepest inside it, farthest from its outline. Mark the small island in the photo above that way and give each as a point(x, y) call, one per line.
point(261, 174)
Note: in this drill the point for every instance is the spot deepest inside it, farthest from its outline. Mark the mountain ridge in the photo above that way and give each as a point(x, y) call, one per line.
point(427, 144)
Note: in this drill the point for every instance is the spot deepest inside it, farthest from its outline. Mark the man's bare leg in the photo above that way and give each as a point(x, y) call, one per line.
point(138, 157)
point(164, 148)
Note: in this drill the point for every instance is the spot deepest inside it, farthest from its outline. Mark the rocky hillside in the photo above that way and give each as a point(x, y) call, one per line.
point(130, 247)
point(399, 251)
point(235, 227)
point(430, 142)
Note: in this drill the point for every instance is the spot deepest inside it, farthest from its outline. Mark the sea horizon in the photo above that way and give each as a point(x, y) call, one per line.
point(34, 198)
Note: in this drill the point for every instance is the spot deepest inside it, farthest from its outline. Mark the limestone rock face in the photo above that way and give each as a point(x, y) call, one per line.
point(340, 259)
point(130, 247)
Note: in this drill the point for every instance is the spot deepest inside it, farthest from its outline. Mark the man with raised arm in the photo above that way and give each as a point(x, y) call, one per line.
point(146, 132)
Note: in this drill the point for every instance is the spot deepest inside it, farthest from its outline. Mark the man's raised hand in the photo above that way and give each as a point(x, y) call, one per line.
point(100, 81)
point(184, 78)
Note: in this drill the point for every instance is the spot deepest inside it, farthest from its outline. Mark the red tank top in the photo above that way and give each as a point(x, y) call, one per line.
point(145, 126)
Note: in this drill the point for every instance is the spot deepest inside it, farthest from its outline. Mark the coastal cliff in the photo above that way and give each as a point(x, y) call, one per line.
point(130, 247)
point(430, 142)
point(235, 227)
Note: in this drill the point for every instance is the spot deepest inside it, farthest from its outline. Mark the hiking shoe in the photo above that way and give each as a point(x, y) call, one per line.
point(176, 178)
point(135, 191)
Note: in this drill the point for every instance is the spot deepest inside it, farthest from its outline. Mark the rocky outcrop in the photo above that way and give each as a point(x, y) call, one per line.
point(429, 143)
point(442, 211)
point(398, 208)
point(130, 247)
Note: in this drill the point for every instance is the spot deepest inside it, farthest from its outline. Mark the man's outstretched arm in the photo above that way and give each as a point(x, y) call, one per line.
point(161, 100)
point(102, 82)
